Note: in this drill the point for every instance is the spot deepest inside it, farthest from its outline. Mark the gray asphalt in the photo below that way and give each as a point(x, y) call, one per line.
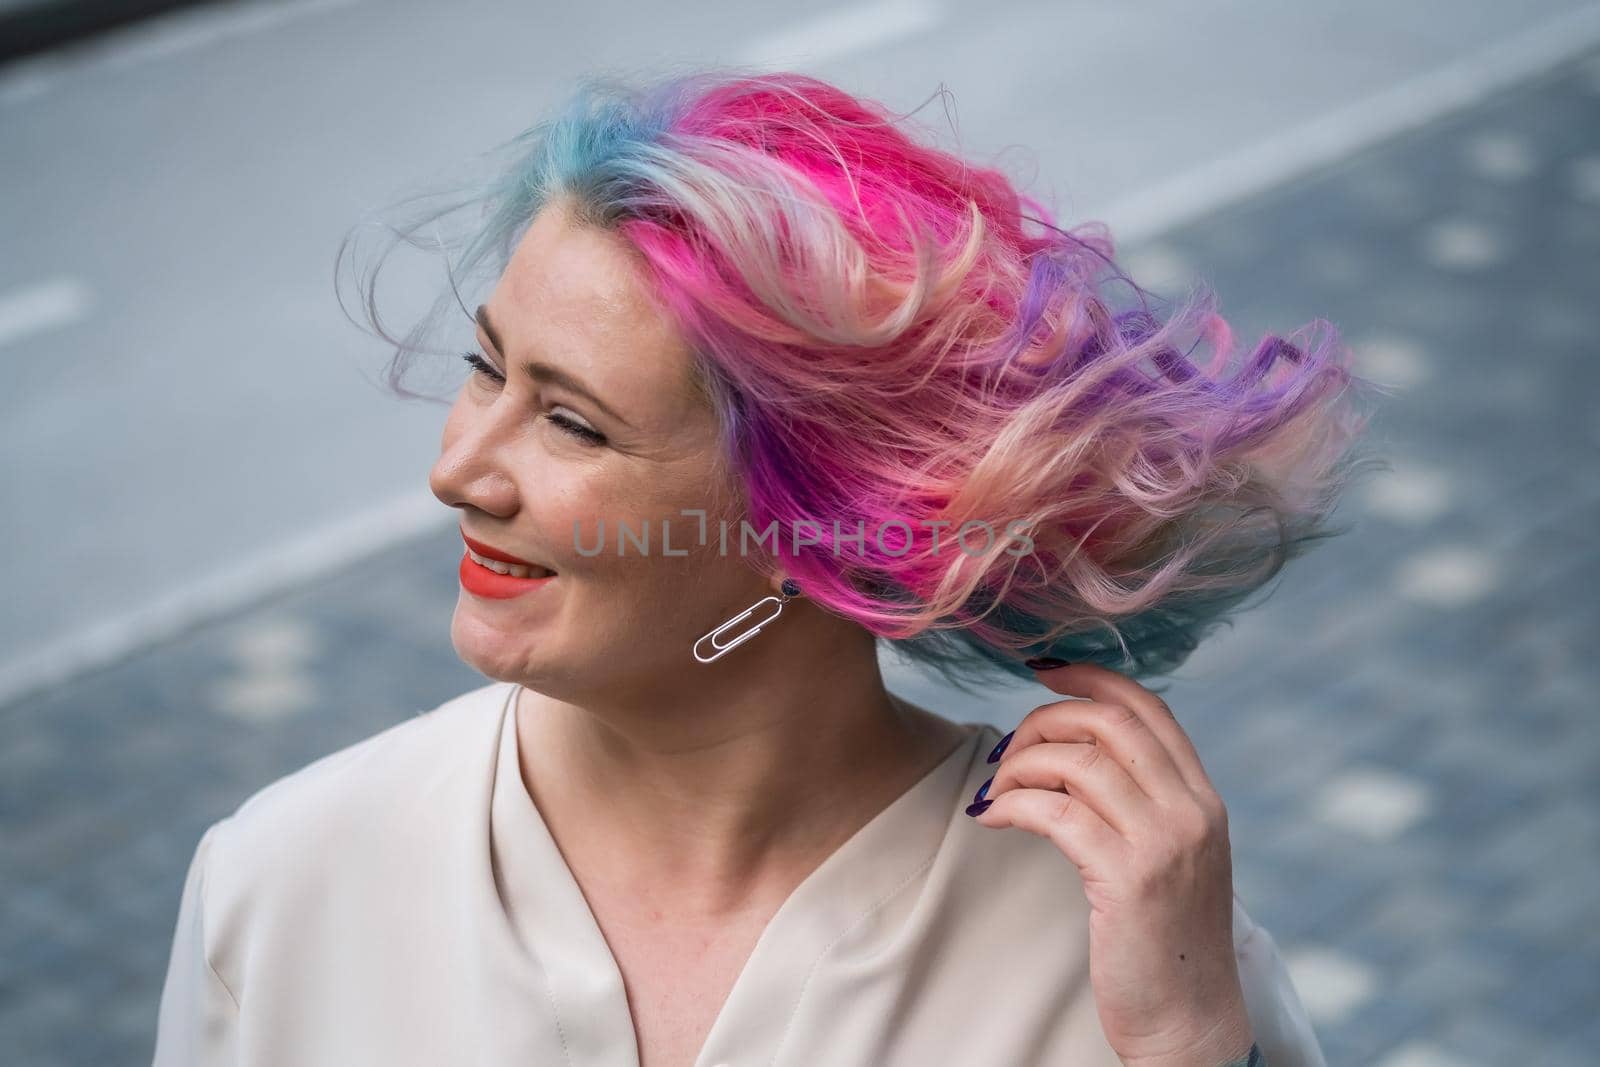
point(1403, 731)
point(196, 423)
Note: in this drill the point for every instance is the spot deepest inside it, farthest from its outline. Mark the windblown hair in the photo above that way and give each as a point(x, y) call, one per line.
point(894, 336)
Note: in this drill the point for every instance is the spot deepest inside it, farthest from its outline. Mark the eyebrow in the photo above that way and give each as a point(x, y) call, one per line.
point(545, 373)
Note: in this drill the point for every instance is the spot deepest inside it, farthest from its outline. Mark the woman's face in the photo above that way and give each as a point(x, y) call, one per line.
point(587, 414)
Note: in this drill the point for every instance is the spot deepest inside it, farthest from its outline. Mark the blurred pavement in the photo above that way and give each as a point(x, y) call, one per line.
point(189, 417)
point(1403, 731)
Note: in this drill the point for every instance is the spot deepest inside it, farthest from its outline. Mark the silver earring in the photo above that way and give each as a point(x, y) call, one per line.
point(789, 590)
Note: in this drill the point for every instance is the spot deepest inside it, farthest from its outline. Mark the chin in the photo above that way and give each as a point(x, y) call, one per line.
point(490, 649)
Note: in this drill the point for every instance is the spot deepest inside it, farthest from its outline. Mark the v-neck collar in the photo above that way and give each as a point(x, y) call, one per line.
point(556, 926)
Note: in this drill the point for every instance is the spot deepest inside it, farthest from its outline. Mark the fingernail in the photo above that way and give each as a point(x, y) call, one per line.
point(979, 808)
point(1045, 663)
point(999, 749)
point(983, 790)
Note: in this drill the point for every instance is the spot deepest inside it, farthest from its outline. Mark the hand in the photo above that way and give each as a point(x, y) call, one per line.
point(1115, 783)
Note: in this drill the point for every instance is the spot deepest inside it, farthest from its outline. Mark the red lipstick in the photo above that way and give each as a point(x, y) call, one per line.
point(491, 584)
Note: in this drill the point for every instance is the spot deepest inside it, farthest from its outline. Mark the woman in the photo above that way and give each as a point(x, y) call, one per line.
point(750, 351)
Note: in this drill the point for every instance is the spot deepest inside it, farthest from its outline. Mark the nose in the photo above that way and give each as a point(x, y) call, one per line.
point(471, 471)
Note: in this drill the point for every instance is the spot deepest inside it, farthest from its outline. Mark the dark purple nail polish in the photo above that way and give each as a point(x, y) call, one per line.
point(1000, 748)
point(979, 808)
point(983, 790)
point(1045, 663)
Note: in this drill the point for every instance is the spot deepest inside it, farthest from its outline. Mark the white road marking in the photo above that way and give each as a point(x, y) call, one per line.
point(1372, 802)
point(1336, 135)
point(1159, 268)
point(1331, 984)
point(1461, 244)
point(322, 551)
point(270, 679)
point(47, 306)
point(264, 696)
point(1392, 360)
point(1421, 1054)
point(1409, 492)
point(1447, 576)
point(274, 644)
point(1503, 157)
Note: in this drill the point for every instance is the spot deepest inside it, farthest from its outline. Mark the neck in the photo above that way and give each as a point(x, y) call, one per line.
point(706, 793)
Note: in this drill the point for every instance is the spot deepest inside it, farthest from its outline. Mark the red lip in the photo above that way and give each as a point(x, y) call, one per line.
point(481, 581)
point(491, 585)
point(490, 552)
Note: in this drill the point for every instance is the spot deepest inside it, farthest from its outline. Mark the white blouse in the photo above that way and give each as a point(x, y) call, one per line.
point(401, 901)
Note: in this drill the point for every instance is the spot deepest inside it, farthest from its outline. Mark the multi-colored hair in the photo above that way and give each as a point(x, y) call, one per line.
point(892, 334)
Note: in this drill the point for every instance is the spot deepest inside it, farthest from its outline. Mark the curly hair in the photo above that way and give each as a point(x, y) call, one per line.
point(892, 335)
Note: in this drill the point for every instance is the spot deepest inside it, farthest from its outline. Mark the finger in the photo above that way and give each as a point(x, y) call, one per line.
point(1122, 732)
point(1087, 771)
point(1094, 682)
point(1071, 825)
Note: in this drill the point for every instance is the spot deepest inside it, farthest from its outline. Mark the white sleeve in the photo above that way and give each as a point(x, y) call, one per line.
point(1282, 1028)
point(198, 1016)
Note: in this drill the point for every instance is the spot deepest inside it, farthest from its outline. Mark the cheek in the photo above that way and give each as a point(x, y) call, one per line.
point(569, 507)
point(635, 530)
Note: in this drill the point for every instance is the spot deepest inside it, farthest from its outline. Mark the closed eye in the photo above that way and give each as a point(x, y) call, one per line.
point(482, 366)
point(568, 427)
point(581, 432)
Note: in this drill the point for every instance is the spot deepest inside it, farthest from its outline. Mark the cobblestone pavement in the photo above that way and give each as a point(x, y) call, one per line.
point(1400, 731)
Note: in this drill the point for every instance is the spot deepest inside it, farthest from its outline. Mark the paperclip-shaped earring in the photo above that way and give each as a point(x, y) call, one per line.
point(789, 590)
